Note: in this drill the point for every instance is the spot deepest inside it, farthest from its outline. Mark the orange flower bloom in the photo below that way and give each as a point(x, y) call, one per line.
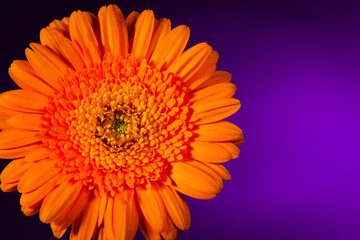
point(114, 121)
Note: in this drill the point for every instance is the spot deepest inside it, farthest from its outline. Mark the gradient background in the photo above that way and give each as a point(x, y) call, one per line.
point(296, 65)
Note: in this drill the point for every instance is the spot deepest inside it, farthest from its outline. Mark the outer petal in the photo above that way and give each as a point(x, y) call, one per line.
point(204, 72)
point(219, 131)
point(30, 211)
point(61, 26)
point(73, 53)
point(220, 170)
point(130, 21)
point(88, 220)
point(231, 148)
point(170, 47)
point(208, 171)
point(24, 101)
point(163, 26)
point(153, 208)
point(216, 78)
point(172, 232)
point(190, 61)
point(34, 198)
point(126, 218)
point(51, 36)
point(25, 77)
point(143, 31)
point(82, 33)
point(148, 233)
point(13, 172)
point(113, 30)
point(59, 200)
point(109, 231)
point(57, 230)
point(213, 92)
point(13, 138)
point(73, 212)
point(27, 121)
point(44, 68)
point(52, 60)
point(38, 154)
point(209, 111)
point(209, 152)
point(37, 175)
point(18, 152)
point(176, 207)
point(192, 181)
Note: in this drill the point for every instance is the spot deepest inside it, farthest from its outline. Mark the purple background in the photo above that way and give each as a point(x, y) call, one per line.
point(296, 65)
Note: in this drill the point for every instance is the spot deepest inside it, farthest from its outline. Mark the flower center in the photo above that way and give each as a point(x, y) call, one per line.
point(117, 127)
point(119, 124)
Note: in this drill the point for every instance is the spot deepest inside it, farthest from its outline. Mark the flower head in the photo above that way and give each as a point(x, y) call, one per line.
point(114, 121)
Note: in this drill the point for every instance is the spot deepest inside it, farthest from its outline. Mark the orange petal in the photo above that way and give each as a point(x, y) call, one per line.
point(88, 220)
point(54, 62)
point(24, 100)
point(61, 26)
point(25, 77)
point(231, 148)
point(34, 198)
point(102, 208)
point(50, 38)
point(190, 61)
point(82, 33)
point(59, 200)
point(131, 20)
point(6, 112)
point(57, 230)
point(216, 78)
point(8, 187)
point(18, 152)
point(217, 91)
point(27, 121)
point(143, 31)
point(220, 170)
point(204, 72)
point(170, 47)
point(153, 208)
point(3, 122)
point(208, 171)
point(42, 68)
point(14, 171)
point(149, 233)
point(171, 232)
point(13, 138)
point(209, 152)
point(109, 231)
point(37, 175)
point(38, 154)
point(126, 218)
point(176, 207)
point(219, 131)
point(73, 212)
point(72, 53)
point(192, 181)
point(209, 111)
point(30, 211)
point(163, 26)
point(113, 30)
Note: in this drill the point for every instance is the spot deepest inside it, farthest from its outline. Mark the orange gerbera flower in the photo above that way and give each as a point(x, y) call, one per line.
point(114, 121)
